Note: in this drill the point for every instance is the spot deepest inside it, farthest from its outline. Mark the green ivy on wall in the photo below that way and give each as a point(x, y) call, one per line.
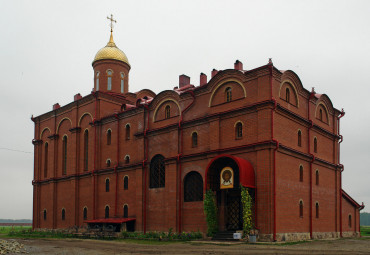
point(210, 210)
point(247, 204)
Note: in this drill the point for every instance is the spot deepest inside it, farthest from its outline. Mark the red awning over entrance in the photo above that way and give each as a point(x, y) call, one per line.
point(246, 171)
point(111, 220)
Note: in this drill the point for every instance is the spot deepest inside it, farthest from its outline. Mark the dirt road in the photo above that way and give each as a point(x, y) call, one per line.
point(93, 247)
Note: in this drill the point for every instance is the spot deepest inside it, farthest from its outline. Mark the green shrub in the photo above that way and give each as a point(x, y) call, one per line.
point(210, 210)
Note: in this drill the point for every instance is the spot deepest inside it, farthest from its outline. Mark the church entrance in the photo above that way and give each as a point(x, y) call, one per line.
point(225, 174)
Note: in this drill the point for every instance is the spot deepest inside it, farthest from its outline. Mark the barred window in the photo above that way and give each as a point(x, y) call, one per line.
point(167, 112)
point(86, 150)
point(125, 211)
point(193, 187)
point(85, 213)
point(157, 172)
point(238, 130)
point(107, 212)
point(228, 94)
point(63, 214)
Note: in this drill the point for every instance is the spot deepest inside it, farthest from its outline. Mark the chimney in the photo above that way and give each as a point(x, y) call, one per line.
point(238, 65)
point(77, 97)
point(183, 80)
point(203, 79)
point(214, 72)
point(56, 106)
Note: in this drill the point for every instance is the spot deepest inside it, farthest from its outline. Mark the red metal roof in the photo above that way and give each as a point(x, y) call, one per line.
point(111, 220)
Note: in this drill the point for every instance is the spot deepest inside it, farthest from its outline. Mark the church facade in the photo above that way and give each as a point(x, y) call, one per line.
point(147, 159)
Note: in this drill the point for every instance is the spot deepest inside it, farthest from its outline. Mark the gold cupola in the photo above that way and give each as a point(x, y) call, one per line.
point(111, 51)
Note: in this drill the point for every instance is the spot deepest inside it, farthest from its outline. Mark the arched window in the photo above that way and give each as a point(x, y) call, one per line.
point(320, 114)
point(350, 220)
point(193, 187)
point(107, 185)
point(228, 94)
point(64, 155)
point(127, 159)
point(301, 173)
point(108, 162)
point(86, 150)
point(301, 209)
point(97, 81)
point(317, 177)
point(157, 172)
point(63, 214)
point(106, 211)
point(46, 159)
point(194, 139)
point(44, 214)
point(167, 112)
point(287, 95)
point(317, 209)
point(122, 82)
point(125, 183)
point(109, 137)
point(315, 144)
point(109, 73)
point(85, 213)
point(238, 130)
point(128, 131)
point(125, 211)
point(299, 138)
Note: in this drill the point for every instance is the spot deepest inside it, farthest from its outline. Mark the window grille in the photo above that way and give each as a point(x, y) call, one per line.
point(228, 94)
point(238, 130)
point(157, 172)
point(193, 187)
point(167, 112)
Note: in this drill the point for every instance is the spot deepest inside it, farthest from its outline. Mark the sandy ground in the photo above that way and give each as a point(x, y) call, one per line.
point(92, 247)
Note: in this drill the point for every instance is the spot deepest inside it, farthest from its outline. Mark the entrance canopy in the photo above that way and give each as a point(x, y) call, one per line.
point(246, 171)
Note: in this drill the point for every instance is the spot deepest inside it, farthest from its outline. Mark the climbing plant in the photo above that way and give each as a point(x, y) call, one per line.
point(210, 210)
point(247, 210)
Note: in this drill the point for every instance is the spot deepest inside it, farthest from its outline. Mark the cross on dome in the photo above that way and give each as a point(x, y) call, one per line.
point(111, 22)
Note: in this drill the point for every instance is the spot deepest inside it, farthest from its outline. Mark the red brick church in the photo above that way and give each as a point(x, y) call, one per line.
point(145, 159)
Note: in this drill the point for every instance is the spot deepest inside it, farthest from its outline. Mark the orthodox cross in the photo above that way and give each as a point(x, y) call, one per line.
point(111, 22)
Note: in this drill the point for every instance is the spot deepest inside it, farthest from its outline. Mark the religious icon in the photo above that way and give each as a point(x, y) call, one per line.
point(227, 178)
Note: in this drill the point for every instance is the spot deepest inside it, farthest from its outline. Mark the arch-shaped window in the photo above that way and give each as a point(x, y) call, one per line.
point(46, 155)
point(86, 150)
point(317, 209)
point(301, 208)
point(106, 211)
point(287, 95)
point(122, 82)
point(194, 139)
point(317, 177)
point(228, 94)
point(167, 112)
point(109, 74)
point(301, 173)
point(157, 172)
point(44, 214)
point(128, 131)
point(125, 211)
point(107, 185)
point(127, 159)
point(193, 187)
point(125, 183)
point(350, 220)
point(299, 138)
point(315, 144)
point(239, 130)
point(108, 162)
point(63, 214)
point(320, 114)
point(64, 155)
point(85, 213)
point(109, 137)
point(97, 81)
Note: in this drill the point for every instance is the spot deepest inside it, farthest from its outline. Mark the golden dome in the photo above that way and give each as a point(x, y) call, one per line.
point(110, 51)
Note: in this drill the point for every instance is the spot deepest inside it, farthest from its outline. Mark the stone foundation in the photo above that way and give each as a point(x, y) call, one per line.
point(293, 237)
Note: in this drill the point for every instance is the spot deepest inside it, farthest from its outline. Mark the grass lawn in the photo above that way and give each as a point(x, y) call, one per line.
point(365, 230)
point(4, 230)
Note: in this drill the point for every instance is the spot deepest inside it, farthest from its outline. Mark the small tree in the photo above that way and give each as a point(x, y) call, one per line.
point(247, 210)
point(210, 210)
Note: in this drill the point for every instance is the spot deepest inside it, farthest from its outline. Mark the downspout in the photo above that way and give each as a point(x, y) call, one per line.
point(340, 175)
point(179, 160)
point(144, 163)
point(95, 151)
point(115, 168)
point(277, 146)
point(312, 156)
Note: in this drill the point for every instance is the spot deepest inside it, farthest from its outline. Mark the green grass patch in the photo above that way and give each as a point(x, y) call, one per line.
point(5, 230)
point(365, 230)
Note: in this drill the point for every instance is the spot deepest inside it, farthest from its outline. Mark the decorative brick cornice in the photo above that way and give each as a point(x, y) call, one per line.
point(36, 142)
point(75, 130)
point(53, 137)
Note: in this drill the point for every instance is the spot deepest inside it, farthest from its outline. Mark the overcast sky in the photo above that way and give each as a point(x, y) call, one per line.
point(46, 50)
